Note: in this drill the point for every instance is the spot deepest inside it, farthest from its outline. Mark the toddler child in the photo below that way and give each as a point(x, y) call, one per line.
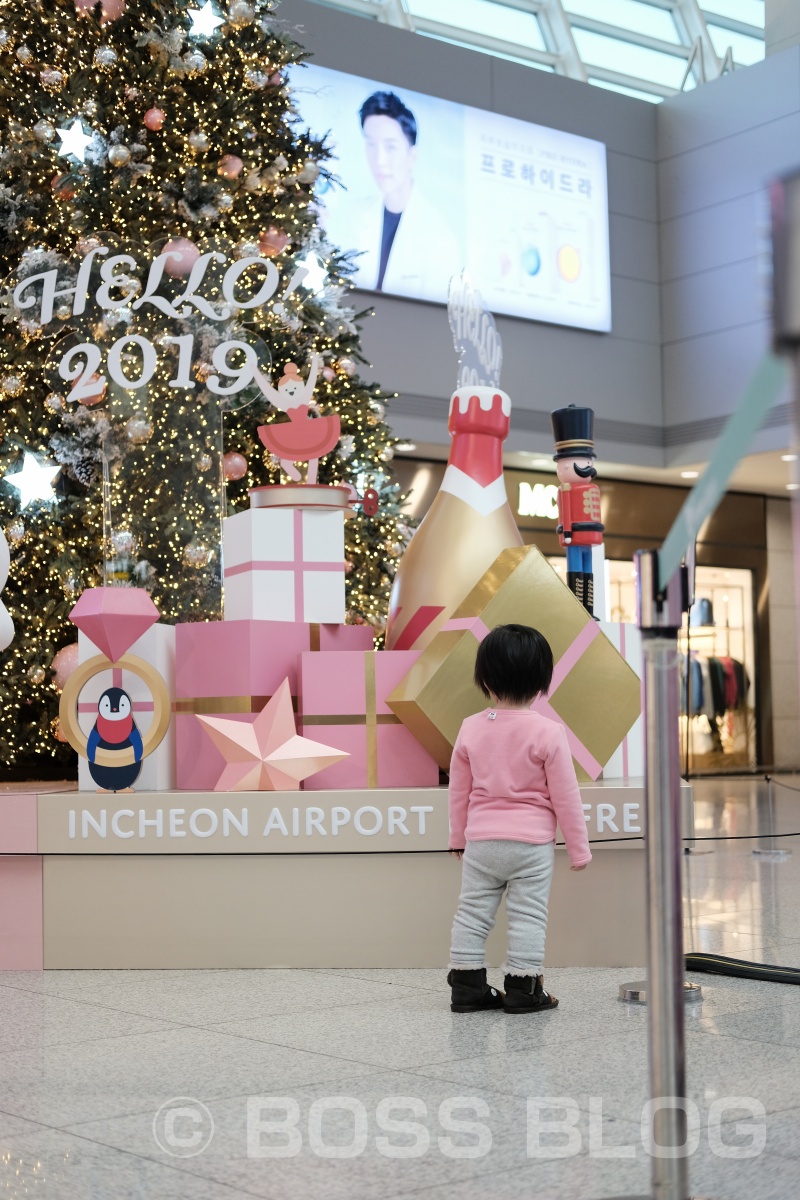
point(511, 780)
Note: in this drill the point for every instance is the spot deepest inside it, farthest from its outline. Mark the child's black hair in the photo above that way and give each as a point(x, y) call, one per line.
point(514, 663)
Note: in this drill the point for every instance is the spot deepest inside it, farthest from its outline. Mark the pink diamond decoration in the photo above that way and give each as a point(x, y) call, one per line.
point(114, 618)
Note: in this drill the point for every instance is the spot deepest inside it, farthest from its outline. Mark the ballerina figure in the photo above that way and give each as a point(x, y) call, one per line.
point(302, 438)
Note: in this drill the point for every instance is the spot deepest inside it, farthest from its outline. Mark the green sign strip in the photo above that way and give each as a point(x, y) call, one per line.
point(760, 394)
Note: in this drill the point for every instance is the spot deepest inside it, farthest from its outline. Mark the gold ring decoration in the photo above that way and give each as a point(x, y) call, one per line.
point(68, 709)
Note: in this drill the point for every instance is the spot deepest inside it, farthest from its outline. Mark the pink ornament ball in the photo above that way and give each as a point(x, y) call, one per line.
point(272, 241)
point(328, 374)
point(188, 255)
point(230, 166)
point(111, 8)
point(154, 118)
point(234, 465)
point(63, 664)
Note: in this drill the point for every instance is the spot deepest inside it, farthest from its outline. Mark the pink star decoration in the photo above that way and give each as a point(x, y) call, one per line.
point(265, 753)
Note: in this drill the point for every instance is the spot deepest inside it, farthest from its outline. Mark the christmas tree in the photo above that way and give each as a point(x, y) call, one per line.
point(156, 182)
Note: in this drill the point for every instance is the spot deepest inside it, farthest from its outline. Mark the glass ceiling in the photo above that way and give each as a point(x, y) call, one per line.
point(644, 48)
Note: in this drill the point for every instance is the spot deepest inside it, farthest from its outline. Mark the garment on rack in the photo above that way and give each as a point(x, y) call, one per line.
point(731, 687)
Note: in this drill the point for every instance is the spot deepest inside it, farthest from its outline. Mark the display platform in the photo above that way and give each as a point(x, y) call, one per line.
point(285, 879)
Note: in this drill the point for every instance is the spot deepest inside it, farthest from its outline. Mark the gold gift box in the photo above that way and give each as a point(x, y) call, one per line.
point(598, 699)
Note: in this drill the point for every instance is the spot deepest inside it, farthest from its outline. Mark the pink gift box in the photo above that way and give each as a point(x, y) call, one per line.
point(231, 668)
point(344, 705)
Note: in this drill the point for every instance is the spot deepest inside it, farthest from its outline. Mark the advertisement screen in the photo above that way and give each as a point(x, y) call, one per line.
point(428, 188)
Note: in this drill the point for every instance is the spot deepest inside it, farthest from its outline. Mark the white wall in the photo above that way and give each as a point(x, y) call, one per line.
point(719, 147)
point(782, 25)
point(545, 366)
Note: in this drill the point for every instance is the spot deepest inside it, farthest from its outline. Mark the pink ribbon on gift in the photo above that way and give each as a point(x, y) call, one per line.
point(116, 681)
point(297, 567)
point(560, 671)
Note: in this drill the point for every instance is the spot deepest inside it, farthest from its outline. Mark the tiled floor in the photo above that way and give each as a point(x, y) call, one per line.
point(110, 1081)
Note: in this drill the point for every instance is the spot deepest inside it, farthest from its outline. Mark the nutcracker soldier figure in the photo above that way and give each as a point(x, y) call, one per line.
point(579, 525)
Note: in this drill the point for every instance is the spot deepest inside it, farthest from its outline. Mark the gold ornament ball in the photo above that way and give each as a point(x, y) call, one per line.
point(138, 431)
point(387, 454)
point(6, 41)
point(241, 14)
point(37, 675)
point(24, 54)
point(90, 108)
point(378, 409)
point(224, 202)
point(54, 402)
point(52, 80)
point(196, 555)
point(11, 385)
point(15, 530)
point(64, 312)
point(205, 462)
point(255, 80)
point(119, 156)
point(347, 366)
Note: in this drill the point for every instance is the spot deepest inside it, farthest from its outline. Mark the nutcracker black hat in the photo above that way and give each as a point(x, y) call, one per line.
point(573, 432)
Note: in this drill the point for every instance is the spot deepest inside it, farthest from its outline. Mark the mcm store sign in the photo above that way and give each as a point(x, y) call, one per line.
point(367, 821)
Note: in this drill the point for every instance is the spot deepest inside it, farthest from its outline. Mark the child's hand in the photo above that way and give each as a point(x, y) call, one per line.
point(582, 867)
point(458, 853)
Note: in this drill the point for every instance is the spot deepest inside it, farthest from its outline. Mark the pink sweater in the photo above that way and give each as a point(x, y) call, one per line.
point(512, 779)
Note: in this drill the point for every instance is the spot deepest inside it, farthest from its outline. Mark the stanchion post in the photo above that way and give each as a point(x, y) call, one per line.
point(660, 615)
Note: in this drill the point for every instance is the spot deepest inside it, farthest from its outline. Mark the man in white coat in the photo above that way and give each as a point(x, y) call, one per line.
point(407, 246)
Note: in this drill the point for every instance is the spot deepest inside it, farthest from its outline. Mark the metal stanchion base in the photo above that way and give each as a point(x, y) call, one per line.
point(636, 993)
point(772, 855)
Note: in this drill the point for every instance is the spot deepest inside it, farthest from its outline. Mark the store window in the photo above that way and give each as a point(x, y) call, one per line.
point(717, 647)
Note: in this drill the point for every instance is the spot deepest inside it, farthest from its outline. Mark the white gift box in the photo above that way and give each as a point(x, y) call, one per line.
point(156, 647)
point(627, 761)
point(284, 564)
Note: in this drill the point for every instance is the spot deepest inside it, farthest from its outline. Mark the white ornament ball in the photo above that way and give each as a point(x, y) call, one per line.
point(44, 131)
point(347, 366)
point(198, 140)
point(105, 57)
point(138, 431)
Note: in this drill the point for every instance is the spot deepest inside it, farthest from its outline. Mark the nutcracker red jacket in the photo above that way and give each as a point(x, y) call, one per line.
point(512, 779)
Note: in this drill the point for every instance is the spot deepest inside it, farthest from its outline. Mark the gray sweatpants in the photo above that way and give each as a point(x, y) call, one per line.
point(488, 868)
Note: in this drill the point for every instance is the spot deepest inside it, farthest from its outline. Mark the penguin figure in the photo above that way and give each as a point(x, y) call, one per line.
point(114, 729)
